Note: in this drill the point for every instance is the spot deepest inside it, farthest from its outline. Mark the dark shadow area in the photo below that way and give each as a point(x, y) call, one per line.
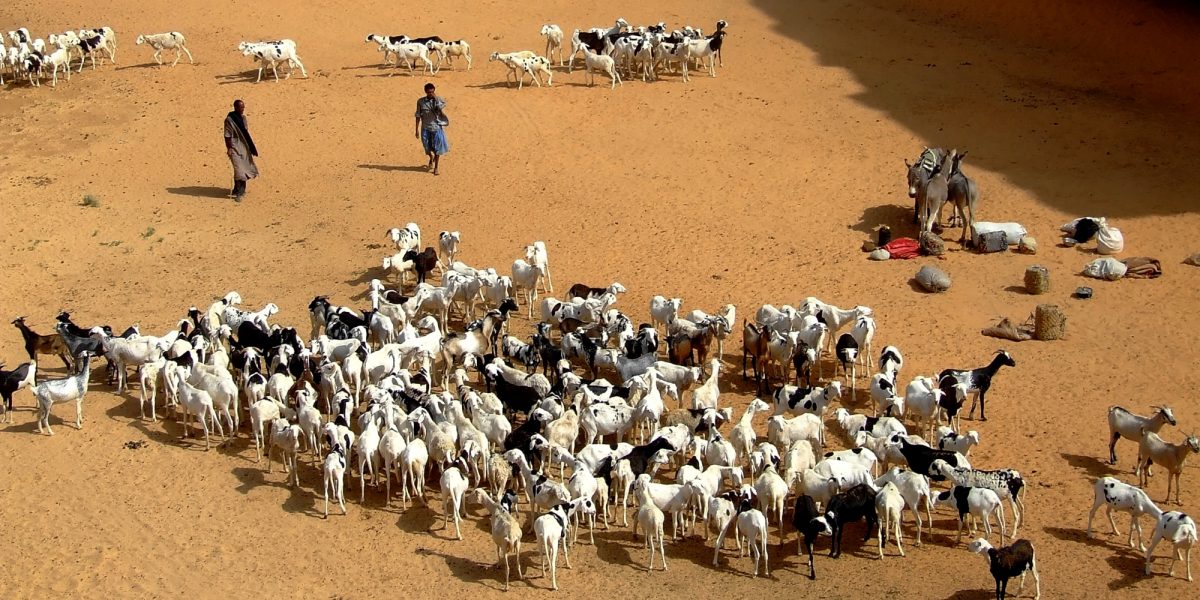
point(411, 168)
point(1078, 138)
point(987, 594)
point(1130, 566)
point(1080, 535)
point(497, 84)
point(1091, 465)
point(153, 64)
point(896, 216)
point(200, 191)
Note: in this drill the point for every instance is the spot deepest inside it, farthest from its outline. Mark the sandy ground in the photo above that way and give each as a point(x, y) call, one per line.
point(756, 186)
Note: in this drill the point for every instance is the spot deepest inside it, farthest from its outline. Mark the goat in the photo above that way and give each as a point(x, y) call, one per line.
point(980, 503)
point(12, 381)
point(36, 343)
point(914, 488)
point(979, 381)
point(650, 518)
point(271, 54)
point(551, 530)
point(809, 523)
point(1008, 562)
point(1180, 530)
point(593, 63)
point(1114, 494)
point(334, 470)
point(1124, 424)
point(847, 507)
point(51, 392)
point(888, 506)
point(1153, 450)
point(506, 533)
point(554, 39)
point(166, 41)
point(446, 51)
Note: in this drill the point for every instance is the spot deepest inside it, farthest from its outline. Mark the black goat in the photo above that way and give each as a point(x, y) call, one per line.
point(424, 262)
point(980, 380)
point(641, 457)
point(847, 507)
point(809, 523)
point(93, 344)
point(920, 458)
point(515, 398)
point(520, 437)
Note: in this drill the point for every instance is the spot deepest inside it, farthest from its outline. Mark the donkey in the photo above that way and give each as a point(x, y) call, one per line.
point(919, 173)
point(931, 196)
point(963, 193)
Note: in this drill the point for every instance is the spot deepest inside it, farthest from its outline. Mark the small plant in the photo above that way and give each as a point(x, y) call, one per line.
point(111, 244)
point(148, 233)
point(90, 201)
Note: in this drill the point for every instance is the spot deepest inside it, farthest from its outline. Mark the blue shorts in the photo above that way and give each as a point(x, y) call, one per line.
point(434, 140)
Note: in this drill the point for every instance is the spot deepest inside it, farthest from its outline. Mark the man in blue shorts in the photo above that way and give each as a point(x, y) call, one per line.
point(431, 122)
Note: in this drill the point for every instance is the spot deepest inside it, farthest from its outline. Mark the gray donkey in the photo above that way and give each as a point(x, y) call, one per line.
point(919, 172)
point(964, 194)
point(933, 192)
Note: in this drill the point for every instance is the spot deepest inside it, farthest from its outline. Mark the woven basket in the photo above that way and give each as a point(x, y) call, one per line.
point(1037, 280)
point(1049, 323)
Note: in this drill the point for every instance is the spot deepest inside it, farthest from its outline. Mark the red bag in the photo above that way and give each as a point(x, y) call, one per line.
point(903, 248)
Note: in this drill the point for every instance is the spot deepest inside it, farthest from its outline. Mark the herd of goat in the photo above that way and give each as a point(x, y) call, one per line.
point(391, 391)
point(611, 51)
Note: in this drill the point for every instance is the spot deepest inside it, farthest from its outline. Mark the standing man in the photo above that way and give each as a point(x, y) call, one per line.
point(431, 122)
point(240, 148)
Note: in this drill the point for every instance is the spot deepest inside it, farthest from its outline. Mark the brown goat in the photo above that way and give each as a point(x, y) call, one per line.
point(36, 343)
point(754, 345)
point(696, 341)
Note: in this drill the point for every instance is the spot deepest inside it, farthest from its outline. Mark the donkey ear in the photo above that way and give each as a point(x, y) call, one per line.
point(906, 163)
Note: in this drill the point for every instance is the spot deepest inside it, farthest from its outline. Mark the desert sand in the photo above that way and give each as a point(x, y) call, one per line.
point(756, 186)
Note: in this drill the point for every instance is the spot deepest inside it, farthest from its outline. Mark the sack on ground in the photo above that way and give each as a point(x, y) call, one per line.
point(1013, 231)
point(932, 244)
point(1105, 268)
point(1109, 240)
point(933, 279)
point(903, 248)
point(992, 241)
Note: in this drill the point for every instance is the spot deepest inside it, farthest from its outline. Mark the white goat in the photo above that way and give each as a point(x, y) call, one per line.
point(51, 392)
point(335, 474)
point(166, 41)
point(602, 63)
point(446, 51)
point(1114, 494)
point(888, 506)
point(554, 41)
point(1180, 530)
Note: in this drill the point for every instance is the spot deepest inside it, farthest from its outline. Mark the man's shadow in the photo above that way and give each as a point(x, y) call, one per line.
point(413, 168)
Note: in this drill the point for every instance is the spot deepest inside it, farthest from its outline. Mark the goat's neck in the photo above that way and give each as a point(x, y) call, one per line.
point(994, 366)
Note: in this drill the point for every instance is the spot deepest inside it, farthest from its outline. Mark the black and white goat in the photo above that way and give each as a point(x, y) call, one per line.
point(12, 381)
point(809, 523)
point(979, 380)
point(1008, 562)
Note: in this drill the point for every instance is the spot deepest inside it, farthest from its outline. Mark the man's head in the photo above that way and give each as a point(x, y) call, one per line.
point(429, 89)
point(239, 107)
